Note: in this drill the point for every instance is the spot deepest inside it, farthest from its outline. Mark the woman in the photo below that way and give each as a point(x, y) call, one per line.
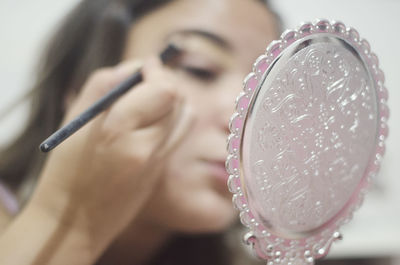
point(143, 183)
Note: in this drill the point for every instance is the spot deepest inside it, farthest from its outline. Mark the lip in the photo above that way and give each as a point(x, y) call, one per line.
point(218, 170)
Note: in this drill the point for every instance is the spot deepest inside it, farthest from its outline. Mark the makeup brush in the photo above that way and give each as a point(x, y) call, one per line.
point(168, 55)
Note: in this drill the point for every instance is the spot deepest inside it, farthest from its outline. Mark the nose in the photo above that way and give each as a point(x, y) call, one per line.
point(226, 103)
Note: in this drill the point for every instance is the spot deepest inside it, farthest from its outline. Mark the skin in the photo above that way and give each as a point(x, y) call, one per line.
point(203, 151)
point(163, 143)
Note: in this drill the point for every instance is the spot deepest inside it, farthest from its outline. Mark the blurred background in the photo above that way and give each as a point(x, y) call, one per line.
point(374, 233)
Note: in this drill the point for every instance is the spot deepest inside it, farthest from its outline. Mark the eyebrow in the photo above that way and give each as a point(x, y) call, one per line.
point(214, 38)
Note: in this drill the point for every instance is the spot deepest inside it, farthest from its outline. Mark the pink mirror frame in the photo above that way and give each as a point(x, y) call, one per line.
point(281, 248)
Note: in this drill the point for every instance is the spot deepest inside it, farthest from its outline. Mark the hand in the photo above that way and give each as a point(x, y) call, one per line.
point(98, 179)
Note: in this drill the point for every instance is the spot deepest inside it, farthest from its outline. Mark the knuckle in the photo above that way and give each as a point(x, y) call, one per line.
point(141, 155)
point(112, 127)
point(109, 131)
point(167, 92)
point(100, 75)
point(101, 81)
point(141, 118)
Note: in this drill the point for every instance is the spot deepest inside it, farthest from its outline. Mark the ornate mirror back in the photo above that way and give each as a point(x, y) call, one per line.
point(306, 137)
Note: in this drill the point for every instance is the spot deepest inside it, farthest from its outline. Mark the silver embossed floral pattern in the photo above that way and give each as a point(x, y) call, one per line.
point(305, 139)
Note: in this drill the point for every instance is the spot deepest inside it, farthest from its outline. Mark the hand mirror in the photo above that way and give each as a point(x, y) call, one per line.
point(306, 137)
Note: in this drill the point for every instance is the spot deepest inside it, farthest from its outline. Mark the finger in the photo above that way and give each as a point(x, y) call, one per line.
point(179, 129)
point(140, 108)
point(102, 81)
point(169, 131)
point(154, 70)
point(146, 104)
point(155, 142)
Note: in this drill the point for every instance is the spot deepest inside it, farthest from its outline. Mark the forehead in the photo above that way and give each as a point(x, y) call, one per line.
point(247, 25)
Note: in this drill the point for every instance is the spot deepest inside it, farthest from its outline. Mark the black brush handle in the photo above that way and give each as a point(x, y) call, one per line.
point(98, 107)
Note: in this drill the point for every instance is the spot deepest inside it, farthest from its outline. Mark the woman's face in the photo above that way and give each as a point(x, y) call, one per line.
point(220, 40)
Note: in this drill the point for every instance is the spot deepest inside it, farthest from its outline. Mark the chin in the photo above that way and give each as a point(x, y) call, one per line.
point(214, 226)
point(200, 208)
point(213, 218)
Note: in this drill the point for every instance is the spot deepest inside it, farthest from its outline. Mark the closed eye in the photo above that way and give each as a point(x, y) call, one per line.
point(203, 74)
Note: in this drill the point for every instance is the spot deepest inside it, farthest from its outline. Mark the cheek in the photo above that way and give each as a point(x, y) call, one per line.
point(185, 167)
point(187, 199)
point(183, 159)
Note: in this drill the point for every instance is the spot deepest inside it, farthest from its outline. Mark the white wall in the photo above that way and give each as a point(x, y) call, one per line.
point(24, 27)
point(375, 229)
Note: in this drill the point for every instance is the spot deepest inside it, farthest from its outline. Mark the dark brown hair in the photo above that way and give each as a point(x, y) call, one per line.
point(93, 35)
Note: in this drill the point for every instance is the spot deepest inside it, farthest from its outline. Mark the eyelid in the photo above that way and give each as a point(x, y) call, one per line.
point(201, 73)
point(200, 61)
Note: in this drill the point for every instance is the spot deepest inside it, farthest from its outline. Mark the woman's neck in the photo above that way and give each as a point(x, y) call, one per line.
point(136, 245)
